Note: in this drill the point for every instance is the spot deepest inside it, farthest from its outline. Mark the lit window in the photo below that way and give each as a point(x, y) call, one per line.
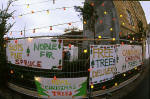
point(130, 17)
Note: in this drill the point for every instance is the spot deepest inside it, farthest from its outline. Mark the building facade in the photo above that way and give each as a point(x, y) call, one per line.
point(118, 19)
point(131, 18)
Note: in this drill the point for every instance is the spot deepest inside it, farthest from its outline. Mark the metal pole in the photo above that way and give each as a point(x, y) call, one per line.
point(24, 31)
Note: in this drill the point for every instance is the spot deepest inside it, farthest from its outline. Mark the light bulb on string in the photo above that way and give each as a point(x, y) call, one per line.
point(99, 37)
point(121, 15)
point(69, 23)
point(20, 16)
point(101, 21)
point(92, 4)
point(84, 22)
point(111, 29)
point(113, 19)
point(33, 30)
point(51, 28)
point(55, 78)
point(105, 12)
point(32, 11)
point(21, 32)
point(27, 5)
point(122, 43)
point(11, 33)
point(47, 11)
point(102, 5)
point(120, 33)
point(123, 23)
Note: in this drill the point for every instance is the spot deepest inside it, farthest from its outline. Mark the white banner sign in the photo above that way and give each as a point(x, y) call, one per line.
point(102, 63)
point(129, 56)
point(61, 88)
point(35, 53)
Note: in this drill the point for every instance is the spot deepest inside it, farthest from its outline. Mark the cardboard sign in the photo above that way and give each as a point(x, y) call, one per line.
point(61, 88)
point(102, 63)
point(129, 56)
point(35, 53)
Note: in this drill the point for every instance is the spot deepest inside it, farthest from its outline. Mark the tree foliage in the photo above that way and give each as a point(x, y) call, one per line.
point(89, 14)
point(4, 28)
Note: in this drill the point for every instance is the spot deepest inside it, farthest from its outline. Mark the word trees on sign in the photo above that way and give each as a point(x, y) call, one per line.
point(38, 53)
point(61, 88)
point(102, 62)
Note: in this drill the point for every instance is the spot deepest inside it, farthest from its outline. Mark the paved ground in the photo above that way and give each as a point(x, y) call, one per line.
point(142, 90)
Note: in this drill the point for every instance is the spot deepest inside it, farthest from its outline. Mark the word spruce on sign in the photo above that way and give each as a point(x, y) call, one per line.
point(102, 52)
point(45, 49)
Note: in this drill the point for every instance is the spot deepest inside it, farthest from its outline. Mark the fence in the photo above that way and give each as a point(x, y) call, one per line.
point(75, 64)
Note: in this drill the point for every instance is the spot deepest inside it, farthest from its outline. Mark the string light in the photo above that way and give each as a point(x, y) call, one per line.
point(30, 39)
point(104, 87)
point(69, 23)
point(123, 23)
point(11, 33)
point(124, 75)
point(33, 30)
point(121, 15)
point(21, 76)
point(102, 4)
point(133, 38)
point(21, 32)
point(105, 12)
point(84, 22)
point(4, 45)
point(120, 33)
point(16, 41)
point(116, 84)
point(101, 21)
point(51, 28)
point(89, 69)
point(99, 37)
point(113, 19)
point(55, 78)
point(27, 5)
point(122, 43)
point(48, 12)
point(113, 39)
point(92, 86)
point(111, 29)
point(85, 51)
point(32, 11)
point(11, 71)
point(20, 16)
point(37, 78)
point(33, 3)
point(48, 26)
point(92, 4)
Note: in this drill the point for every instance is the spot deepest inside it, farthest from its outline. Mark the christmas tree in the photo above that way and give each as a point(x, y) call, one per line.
point(40, 89)
point(82, 90)
point(28, 51)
